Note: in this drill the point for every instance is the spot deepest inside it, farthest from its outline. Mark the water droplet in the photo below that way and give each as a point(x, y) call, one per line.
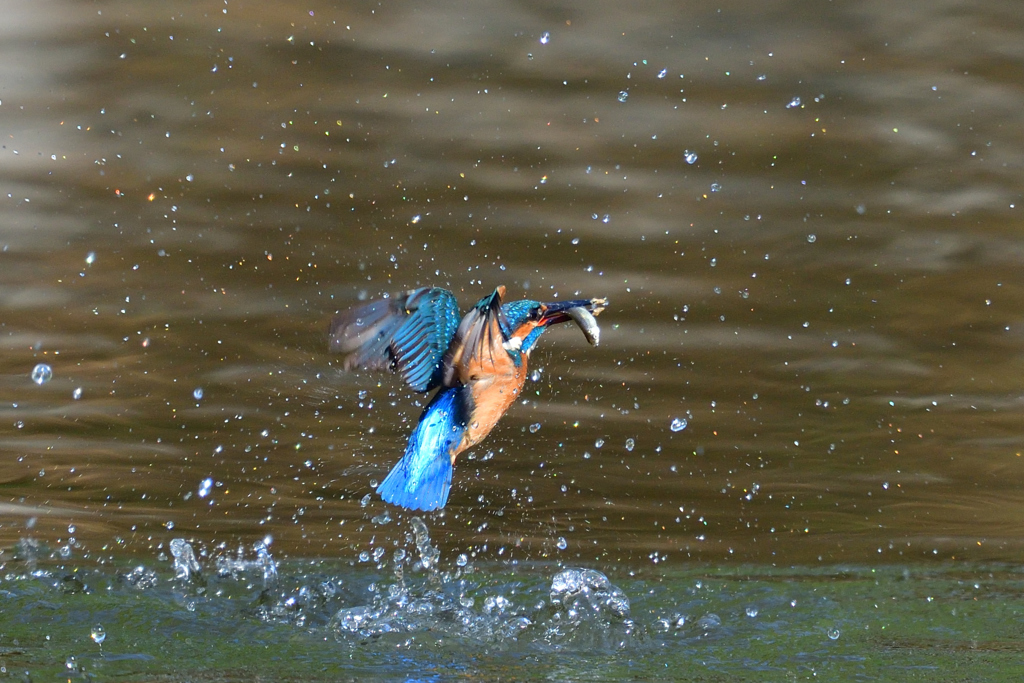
point(545, 38)
point(77, 393)
point(623, 96)
point(363, 393)
point(751, 611)
point(833, 634)
point(90, 258)
point(598, 443)
point(793, 103)
point(605, 218)
point(630, 444)
point(416, 219)
point(762, 77)
point(812, 238)
point(98, 634)
point(715, 187)
point(42, 373)
point(205, 486)
point(535, 427)
point(662, 73)
point(169, 525)
point(562, 543)
point(678, 424)
point(197, 393)
point(462, 560)
point(691, 157)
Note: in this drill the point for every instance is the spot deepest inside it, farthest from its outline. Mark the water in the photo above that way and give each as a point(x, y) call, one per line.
point(191, 214)
point(42, 373)
point(328, 617)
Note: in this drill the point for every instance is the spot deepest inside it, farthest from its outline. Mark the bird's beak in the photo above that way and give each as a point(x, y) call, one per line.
point(580, 311)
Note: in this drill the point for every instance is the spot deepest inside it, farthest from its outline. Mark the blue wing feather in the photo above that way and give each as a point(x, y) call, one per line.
point(422, 478)
point(407, 334)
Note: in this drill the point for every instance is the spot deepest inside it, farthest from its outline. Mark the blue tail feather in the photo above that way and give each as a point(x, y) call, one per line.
point(422, 478)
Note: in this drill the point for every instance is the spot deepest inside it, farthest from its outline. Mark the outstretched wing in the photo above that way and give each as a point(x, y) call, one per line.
point(407, 334)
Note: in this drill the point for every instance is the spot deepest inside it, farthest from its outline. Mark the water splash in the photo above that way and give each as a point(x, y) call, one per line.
point(186, 567)
point(581, 592)
point(429, 555)
point(41, 374)
point(266, 562)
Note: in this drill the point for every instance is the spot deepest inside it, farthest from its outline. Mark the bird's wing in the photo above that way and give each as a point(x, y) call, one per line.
point(407, 334)
point(478, 338)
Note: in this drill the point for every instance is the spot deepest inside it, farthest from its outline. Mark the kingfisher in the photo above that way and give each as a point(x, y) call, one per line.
point(478, 365)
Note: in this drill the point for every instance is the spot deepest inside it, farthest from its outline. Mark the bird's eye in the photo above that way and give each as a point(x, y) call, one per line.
point(536, 313)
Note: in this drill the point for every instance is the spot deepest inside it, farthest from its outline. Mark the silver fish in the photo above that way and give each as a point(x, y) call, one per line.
point(586, 321)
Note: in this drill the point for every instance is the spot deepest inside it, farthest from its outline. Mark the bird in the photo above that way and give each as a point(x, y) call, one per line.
point(478, 364)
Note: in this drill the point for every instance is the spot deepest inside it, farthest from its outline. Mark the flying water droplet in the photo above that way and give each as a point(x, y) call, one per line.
point(662, 73)
point(205, 486)
point(715, 187)
point(77, 393)
point(833, 634)
point(751, 611)
point(545, 38)
point(598, 443)
point(812, 238)
point(562, 543)
point(691, 157)
point(197, 393)
point(623, 96)
point(97, 634)
point(535, 427)
point(630, 444)
point(90, 258)
point(41, 374)
point(678, 424)
point(793, 103)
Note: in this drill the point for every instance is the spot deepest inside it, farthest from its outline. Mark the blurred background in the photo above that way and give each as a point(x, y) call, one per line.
point(806, 217)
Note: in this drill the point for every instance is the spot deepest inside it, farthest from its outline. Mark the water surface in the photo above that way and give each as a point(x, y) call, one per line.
point(806, 221)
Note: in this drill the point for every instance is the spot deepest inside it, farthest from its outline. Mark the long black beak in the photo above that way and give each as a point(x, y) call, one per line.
point(555, 312)
point(580, 311)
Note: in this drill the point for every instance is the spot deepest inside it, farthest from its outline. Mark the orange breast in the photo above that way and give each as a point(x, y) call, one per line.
point(492, 396)
point(493, 380)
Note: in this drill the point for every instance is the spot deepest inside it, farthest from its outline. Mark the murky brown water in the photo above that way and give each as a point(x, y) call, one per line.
point(830, 294)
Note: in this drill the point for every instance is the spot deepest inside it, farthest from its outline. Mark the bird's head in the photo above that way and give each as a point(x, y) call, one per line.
point(522, 322)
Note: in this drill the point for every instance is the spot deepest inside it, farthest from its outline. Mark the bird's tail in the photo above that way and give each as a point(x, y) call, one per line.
point(422, 478)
